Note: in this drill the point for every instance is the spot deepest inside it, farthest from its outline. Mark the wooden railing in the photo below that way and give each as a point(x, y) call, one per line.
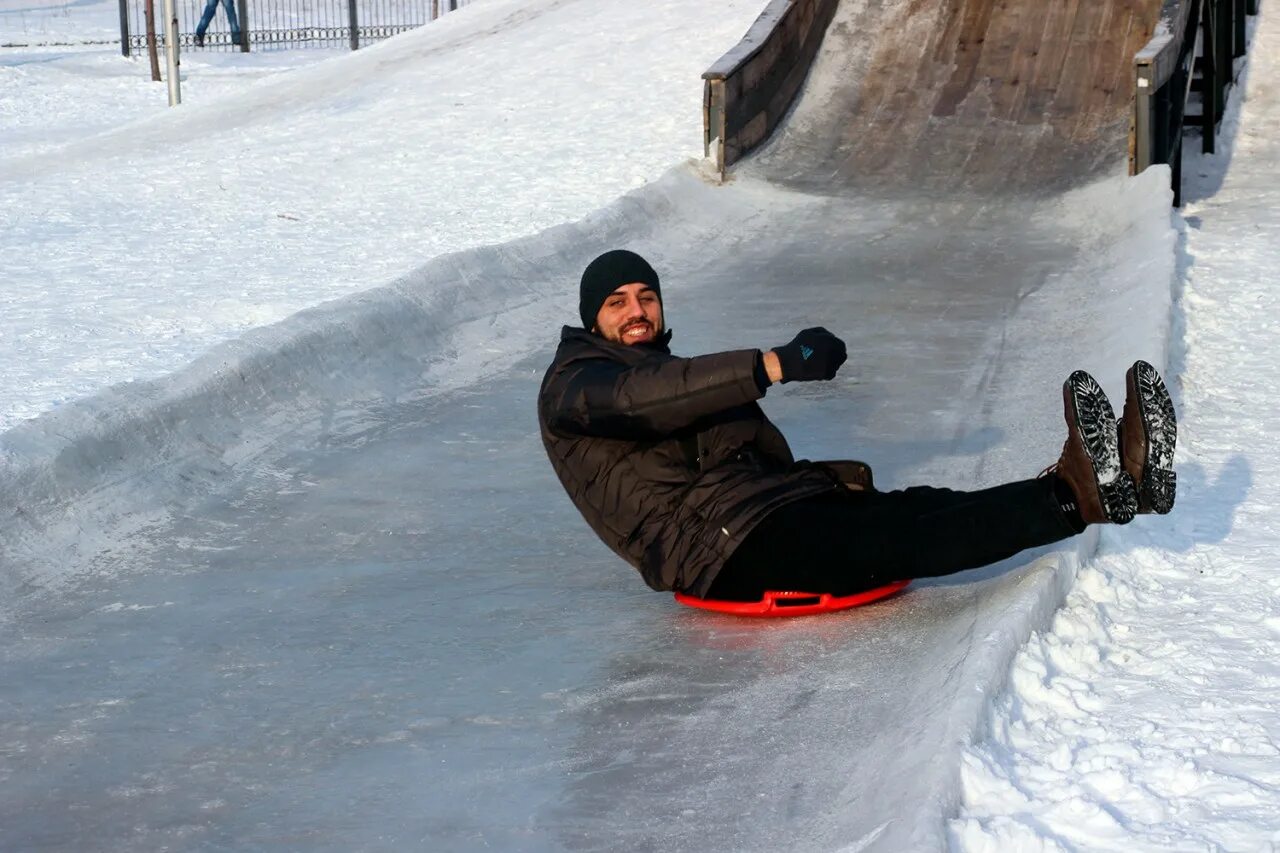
point(748, 91)
point(1173, 65)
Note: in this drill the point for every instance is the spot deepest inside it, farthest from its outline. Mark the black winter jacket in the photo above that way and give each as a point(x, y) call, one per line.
point(669, 459)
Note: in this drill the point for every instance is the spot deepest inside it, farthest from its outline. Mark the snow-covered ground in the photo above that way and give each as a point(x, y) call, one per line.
point(1148, 718)
point(50, 96)
point(135, 236)
point(27, 23)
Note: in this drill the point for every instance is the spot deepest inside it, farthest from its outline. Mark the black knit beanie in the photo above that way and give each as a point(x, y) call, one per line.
point(606, 274)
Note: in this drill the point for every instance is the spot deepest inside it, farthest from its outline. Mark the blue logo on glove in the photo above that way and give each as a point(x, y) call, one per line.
point(805, 352)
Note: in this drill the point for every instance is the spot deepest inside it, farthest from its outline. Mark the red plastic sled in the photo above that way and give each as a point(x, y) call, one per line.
point(792, 603)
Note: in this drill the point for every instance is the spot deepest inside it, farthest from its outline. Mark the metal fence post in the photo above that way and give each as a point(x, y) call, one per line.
point(243, 10)
point(1175, 177)
point(1241, 21)
point(1209, 91)
point(124, 27)
point(354, 22)
point(1226, 57)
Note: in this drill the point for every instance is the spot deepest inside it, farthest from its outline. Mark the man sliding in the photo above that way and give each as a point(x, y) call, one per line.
point(677, 469)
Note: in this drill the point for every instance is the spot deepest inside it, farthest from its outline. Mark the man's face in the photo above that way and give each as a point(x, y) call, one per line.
point(631, 315)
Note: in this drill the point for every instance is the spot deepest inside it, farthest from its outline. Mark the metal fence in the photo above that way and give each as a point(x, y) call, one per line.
point(266, 24)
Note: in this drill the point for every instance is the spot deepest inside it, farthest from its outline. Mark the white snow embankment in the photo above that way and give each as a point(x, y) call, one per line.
point(129, 252)
point(84, 477)
point(1145, 719)
point(78, 480)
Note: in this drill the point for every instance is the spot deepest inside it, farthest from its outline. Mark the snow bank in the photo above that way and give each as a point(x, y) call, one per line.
point(1143, 718)
point(96, 470)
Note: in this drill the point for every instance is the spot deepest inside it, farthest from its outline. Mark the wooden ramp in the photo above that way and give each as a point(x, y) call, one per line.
point(980, 95)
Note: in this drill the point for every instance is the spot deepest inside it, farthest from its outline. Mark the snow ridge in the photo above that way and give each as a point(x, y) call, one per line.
point(118, 460)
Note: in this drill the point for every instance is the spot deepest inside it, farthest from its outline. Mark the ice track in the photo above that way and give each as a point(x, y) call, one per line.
point(322, 590)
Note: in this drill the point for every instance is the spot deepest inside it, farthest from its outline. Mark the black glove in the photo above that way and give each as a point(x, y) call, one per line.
point(814, 354)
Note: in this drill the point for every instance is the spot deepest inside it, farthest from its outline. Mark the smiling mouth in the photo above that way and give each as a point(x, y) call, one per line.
point(637, 330)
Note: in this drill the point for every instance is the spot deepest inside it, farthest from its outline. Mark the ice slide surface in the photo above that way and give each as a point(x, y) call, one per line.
point(966, 95)
point(391, 630)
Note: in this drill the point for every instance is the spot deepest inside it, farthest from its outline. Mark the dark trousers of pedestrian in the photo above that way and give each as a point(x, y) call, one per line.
point(849, 541)
point(210, 9)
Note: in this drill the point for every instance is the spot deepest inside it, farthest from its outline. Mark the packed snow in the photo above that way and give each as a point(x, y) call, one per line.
point(28, 23)
point(135, 237)
point(1146, 717)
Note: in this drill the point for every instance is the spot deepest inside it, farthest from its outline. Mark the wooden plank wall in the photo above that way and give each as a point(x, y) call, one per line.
point(749, 90)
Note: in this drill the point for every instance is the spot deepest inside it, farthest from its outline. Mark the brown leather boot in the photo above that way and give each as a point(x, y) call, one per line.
point(1090, 461)
point(1148, 432)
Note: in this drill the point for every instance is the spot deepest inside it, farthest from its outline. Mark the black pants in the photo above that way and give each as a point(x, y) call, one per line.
point(850, 541)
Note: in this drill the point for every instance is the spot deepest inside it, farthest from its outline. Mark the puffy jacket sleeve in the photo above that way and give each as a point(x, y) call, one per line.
point(651, 400)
